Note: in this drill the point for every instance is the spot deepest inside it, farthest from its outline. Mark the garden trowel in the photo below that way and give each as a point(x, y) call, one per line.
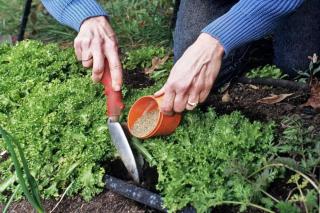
point(118, 137)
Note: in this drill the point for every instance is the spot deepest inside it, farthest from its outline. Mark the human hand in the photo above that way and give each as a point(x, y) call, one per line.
point(193, 75)
point(95, 42)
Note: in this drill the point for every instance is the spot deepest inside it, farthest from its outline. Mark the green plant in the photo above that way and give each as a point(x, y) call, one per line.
point(268, 71)
point(155, 62)
point(40, 24)
point(297, 152)
point(49, 103)
point(299, 142)
point(28, 185)
point(205, 162)
point(51, 106)
point(313, 70)
point(146, 22)
point(141, 58)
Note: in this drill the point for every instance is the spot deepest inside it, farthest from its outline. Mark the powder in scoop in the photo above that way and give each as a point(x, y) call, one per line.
point(146, 123)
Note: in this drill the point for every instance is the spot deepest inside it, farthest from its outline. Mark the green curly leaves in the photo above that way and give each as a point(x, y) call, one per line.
point(57, 115)
point(205, 161)
point(268, 71)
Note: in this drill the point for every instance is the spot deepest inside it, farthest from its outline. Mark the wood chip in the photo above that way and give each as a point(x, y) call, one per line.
point(253, 87)
point(226, 97)
point(274, 98)
point(156, 63)
point(314, 99)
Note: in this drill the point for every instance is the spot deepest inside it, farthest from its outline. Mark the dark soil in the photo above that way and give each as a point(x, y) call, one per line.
point(104, 202)
point(244, 98)
point(136, 79)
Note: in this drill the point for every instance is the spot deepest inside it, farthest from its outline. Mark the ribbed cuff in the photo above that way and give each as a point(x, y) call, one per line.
point(77, 11)
point(248, 21)
point(233, 31)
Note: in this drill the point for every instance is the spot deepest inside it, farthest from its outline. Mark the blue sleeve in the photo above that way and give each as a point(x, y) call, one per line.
point(73, 12)
point(249, 20)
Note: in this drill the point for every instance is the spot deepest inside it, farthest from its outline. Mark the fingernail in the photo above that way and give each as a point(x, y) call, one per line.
point(116, 88)
point(95, 79)
point(168, 113)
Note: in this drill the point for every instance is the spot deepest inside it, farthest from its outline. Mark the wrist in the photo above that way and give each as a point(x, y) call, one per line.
point(94, 19)
point(209, 41)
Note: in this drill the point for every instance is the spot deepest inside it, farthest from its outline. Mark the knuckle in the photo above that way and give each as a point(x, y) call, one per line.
point(181, 86)
point(178, 109)
point(86, 64)
point(76, 43)
point(95, 78)
point(189, 108)
point(169, 86)
point(77, 39)
point(98, 69)
point(97, 41)
point(112, 45)
point(166, 108)
point(116, 66)
point(85, 41)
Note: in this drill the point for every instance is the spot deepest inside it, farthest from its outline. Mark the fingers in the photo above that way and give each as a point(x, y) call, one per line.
point(160, 92)
point(86, 55)
point(77, 48)
point(168, 102)
point(180, 102)
point(98, 60)
point(204, 94)
point(82, 51)
point(96, 45)
point(195, 90)
point(111, 52)
point(210, 78)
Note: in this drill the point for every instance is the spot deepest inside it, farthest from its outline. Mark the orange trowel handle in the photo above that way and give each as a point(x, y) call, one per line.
point(114, 99)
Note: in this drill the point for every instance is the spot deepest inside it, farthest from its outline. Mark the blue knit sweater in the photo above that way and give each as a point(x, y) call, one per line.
point(246, 21)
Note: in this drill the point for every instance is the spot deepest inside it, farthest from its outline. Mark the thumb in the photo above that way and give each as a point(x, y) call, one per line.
point(160, 92)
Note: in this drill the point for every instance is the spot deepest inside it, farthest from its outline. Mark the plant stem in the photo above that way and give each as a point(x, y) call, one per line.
point(65, 192)
point(269, 195)
point(141, 149)
point(241, 203)
point(10, 200)
point(32, 182)
point(33, 197)
point(302, 196)
point(18, 169)
point(264, 192)
point(290, 168)
point(290, 193)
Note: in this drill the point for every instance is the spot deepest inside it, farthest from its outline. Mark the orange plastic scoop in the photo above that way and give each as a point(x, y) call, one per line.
point(164, 124)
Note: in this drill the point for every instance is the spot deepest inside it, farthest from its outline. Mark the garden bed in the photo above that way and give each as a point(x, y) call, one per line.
point(41, 70)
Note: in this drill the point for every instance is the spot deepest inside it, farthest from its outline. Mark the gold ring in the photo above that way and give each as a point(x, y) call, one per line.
point(86, 59)
point(192, 104)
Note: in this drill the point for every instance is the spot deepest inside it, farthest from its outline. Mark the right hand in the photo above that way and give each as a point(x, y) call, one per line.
point(95, 45)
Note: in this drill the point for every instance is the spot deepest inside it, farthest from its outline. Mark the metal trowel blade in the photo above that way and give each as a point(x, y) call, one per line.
point(121, 143)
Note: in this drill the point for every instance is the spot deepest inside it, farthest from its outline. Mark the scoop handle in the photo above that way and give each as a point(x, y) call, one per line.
point(114, 99)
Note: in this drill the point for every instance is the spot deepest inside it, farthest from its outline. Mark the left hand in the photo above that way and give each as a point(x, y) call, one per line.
point(97, 47)
point(193, 75)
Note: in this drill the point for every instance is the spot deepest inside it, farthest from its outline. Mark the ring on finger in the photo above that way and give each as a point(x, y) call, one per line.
point(193, 104)
point(87, 59)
